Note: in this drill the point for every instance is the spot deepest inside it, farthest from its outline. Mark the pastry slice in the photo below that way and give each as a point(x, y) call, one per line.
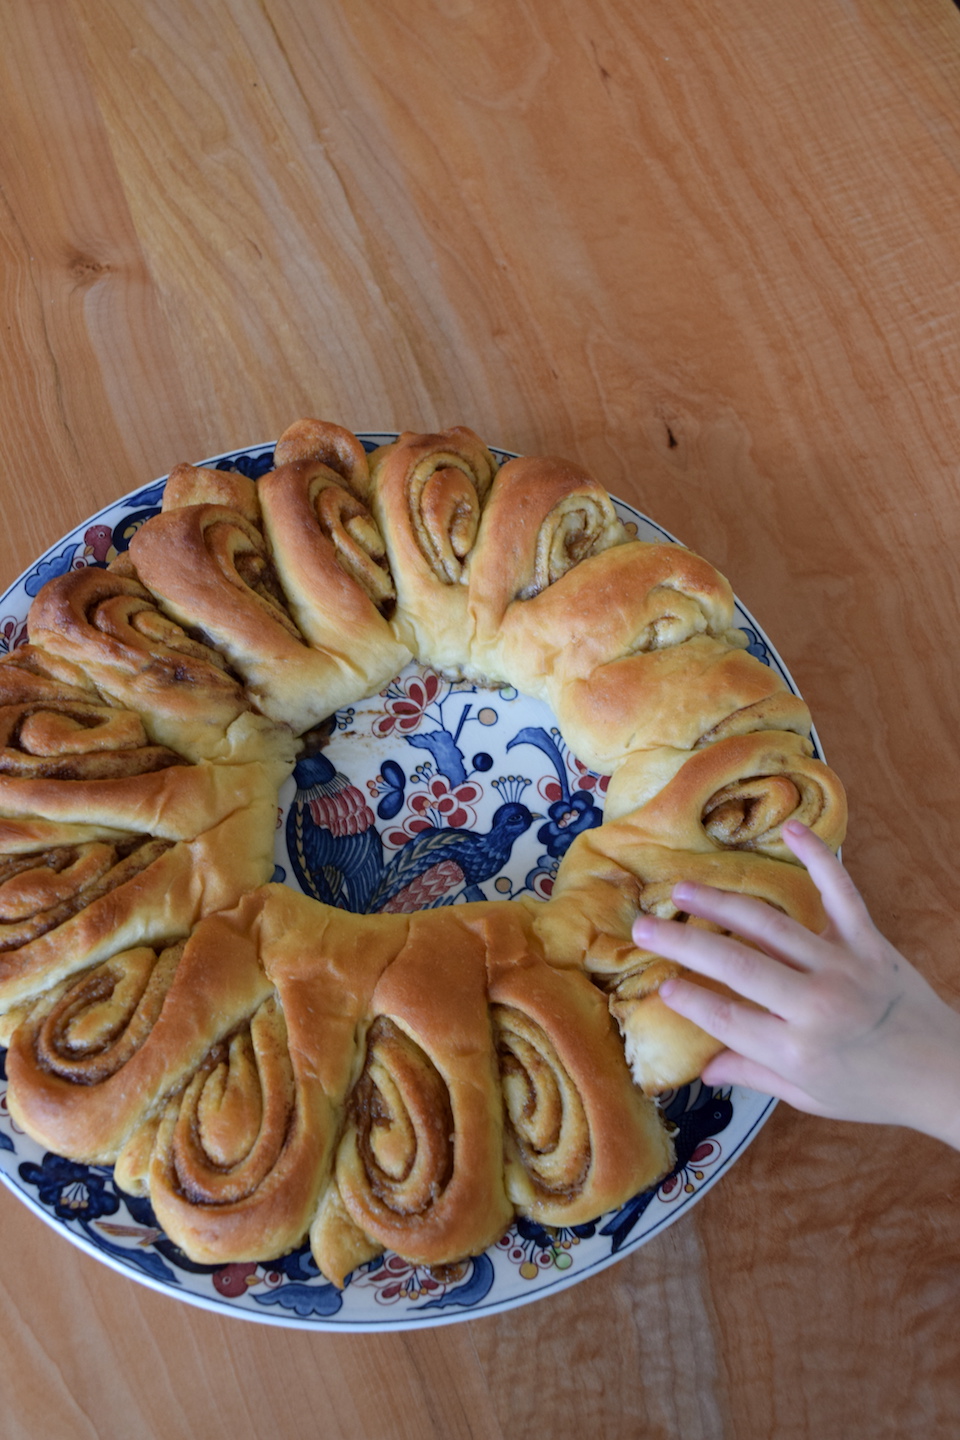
point(427, 495)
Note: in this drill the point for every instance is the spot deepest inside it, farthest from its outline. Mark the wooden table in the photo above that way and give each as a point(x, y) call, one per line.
point(710, 251)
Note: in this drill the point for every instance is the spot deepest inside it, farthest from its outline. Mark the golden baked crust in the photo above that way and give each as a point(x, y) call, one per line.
point(402, 1081)
point(580, 1138)
point(419, 1167)
point(101, 1052)
point(331, 559)
point(112, 627)
point(69, 905)
point(241, 1154)
point(679, 696)
point(108, 841)
point(543, 517)
point(734, 794)
point(263, 1066)
point(209, 565)
point(427, 495)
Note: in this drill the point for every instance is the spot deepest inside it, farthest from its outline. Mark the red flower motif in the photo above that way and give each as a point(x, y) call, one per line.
point(585, 779)
point(439, 804)
point(455, 806)
point(13, 633)
point(405, 711)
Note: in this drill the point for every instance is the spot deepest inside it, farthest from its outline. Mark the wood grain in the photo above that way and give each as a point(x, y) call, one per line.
point(712, 252)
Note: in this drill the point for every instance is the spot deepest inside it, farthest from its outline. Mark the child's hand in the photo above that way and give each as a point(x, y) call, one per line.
point(853, 1031)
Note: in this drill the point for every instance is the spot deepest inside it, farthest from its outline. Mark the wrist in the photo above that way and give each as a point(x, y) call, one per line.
point(933, 1106)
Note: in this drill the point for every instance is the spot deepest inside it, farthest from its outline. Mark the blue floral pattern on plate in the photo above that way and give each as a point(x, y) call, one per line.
point(431, 793)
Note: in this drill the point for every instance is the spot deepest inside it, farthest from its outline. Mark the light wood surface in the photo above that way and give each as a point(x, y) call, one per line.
point(712, 252)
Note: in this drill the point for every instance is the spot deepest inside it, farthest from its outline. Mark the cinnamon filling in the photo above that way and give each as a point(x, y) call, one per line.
point(139, 625)
point(258, 574)
point(570, 533)
point(356, 538)
point(102, 1020)
point(545, 1115)
point(77, 741)
point(40, 892)
point(446, 515)
point(236, 1114)
point(400, 1108)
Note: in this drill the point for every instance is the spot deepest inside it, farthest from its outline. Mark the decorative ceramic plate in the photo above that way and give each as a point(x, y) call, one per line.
point(423, 752)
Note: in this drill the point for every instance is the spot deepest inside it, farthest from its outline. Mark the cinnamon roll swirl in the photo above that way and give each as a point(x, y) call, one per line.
point(211, 568)
point(332, 560)
point(233, 1117)
point(732, 795)
point(420, 1165)
point(580, 1139)
point(543, 517)
point(217, 987)
point(428, 493)
point(111, 626)
point(240, 1157)
point(68, 906)
point(77, 1039)
point(96, 770)
point(40, 893)
point(31, 673)
point(76, 741)
point(54, 725)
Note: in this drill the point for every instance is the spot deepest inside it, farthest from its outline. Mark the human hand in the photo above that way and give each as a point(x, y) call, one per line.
point(847, 1029)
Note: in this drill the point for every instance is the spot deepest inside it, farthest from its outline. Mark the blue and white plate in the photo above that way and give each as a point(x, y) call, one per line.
point(424, 752)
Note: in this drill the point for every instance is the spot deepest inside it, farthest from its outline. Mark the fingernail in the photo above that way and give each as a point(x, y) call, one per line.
point(683, 890)
point(793, 827)
point(643, 930)
point(667, 988)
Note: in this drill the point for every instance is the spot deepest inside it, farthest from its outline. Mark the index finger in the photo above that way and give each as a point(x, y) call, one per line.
point(752, 975)
point(754, 920)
